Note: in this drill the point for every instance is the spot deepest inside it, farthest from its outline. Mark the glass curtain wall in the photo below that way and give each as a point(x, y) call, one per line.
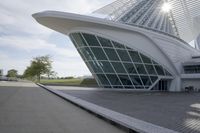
point(115, 65)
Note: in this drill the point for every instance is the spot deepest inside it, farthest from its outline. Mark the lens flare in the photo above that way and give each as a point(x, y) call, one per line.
point(166, 7)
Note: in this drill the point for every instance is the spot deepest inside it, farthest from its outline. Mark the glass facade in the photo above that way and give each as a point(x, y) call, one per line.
point(192, 69)
point(149, 14)
point(115, 65)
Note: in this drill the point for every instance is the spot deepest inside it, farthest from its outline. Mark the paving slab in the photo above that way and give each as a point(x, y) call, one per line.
point(31, 109)
point(176, 111)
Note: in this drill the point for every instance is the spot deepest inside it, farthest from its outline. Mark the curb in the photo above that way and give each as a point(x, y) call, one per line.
point(122, 121)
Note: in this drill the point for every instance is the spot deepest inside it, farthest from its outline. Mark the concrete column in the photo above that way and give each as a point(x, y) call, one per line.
point(175, 85)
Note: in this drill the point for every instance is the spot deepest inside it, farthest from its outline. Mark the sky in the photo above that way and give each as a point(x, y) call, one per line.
point(22, 38)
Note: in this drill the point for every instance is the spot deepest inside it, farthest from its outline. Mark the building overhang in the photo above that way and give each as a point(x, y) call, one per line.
point(57, 20)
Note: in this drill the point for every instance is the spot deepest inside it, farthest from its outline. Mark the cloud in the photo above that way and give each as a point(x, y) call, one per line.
point(20, 33)
point(34, 44)
point(7, 63)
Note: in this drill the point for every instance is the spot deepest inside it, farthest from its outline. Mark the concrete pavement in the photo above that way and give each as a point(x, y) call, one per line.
point(176, 111)
point(26, 108)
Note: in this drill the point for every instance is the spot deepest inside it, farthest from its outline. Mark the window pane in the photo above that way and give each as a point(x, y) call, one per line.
point(99, 54)
point(145, 59)
point(128, 48)
point(118, 45)
point(105, 86)
point(151, 69)
point(159, 70)
point(139, 87)
point(103, 79)
point(125, 80)
point(113, 79)
point(118, 67)
point(105, 42)
point(140, 68)
point(136, 80)
point(78, 38)
point(91, 39)
point(112, 55)
point(118, 86)
point(167, 73)
point(87, 53)
point(124, 55)
point(95, 66)
point(129, 87)
point(153, 78)
point(154, 62)
point(135, 56)
point(72, 39)
point(146, 80)
point(130, 68)
point(106, 66)
point(81, 53)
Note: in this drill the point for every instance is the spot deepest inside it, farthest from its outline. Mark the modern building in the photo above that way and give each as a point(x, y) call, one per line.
point(136, 44)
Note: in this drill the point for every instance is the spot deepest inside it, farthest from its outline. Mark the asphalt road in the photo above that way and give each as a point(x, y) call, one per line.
point(27, 108)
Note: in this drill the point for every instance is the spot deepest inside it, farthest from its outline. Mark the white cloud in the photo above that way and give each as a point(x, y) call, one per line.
point(24, 43)
point(8, 63)
point(18, 17)
point(20, 32)
point(35, 43)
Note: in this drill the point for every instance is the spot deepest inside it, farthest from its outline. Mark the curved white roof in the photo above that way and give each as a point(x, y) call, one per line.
point(63, 22)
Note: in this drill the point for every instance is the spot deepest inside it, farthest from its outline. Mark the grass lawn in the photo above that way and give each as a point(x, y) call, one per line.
point(69, 82)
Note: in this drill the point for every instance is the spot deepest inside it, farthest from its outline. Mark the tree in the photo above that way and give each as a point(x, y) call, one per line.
point(12, 73)
point(40, 65)
point(51, 74)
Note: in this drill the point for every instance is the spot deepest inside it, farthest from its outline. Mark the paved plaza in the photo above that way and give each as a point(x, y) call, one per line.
point(177, 111)
point(27, 108)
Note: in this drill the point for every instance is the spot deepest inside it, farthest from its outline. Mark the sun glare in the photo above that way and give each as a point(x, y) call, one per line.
point(166, 7)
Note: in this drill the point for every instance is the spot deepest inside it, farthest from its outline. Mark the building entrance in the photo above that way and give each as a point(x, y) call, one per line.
point(162, 85)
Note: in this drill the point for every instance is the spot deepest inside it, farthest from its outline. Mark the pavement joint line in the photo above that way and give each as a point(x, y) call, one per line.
point(125, 121)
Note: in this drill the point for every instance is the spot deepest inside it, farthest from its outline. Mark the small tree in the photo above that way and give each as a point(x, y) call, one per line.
point(12, 73)
point(39, 66)
point(51, 74)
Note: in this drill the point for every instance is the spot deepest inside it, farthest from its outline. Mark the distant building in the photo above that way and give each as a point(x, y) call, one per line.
point(140, 44)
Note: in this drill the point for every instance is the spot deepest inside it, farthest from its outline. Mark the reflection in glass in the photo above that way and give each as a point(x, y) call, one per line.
point(136, 80)
point(118, 67)
point(103, 79)
point(95, 66)
point(99, 54)
point(79, 40)
point(140, 68)
point(125, 80)
point(135, 56)
point(87, 53)
point(118, 45)
point(105, 42)
point(106, 66)
point(112, 55)
point(91, 40)
point(124, 55)
point(114, 80)
point(145, 59)
point(159, 70)
point(151, 69)
point(130, 68)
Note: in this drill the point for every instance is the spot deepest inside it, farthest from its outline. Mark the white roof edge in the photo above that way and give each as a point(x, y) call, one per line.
point(90, 19)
